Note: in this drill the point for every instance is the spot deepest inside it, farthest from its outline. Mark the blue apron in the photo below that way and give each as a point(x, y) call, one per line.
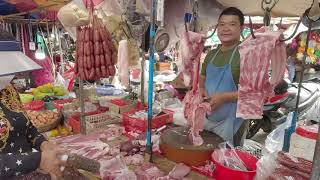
point(223, 120)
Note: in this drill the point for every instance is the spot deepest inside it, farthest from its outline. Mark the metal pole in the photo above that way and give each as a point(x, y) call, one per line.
point(82, 110)
point(150, 82)
point(142, 76)
point(316, 159)
point(62, 62)
point(292, 128)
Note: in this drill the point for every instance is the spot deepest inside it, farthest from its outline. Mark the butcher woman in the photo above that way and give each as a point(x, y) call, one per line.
point(220, 77)
point(18, 136)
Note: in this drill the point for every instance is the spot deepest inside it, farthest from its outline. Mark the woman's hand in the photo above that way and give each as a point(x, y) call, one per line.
point(51, 162)
point(46, 145)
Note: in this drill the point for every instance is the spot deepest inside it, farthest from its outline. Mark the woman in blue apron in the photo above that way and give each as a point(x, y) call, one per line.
point(220, 76)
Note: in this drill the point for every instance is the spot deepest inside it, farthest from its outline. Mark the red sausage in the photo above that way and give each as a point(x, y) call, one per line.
point(98, 72)
point(104, 71)
point(112, 70)
point(107, 59)
point(97, 61)
point(96, 48)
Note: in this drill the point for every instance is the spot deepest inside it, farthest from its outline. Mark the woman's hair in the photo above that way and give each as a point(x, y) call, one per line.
point(233, 11)
point(6, 36)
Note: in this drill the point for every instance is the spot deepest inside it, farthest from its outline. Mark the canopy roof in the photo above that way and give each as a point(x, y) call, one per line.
point(283, 8)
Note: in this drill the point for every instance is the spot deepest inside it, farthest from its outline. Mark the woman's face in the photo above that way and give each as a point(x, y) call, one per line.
point(229, 28)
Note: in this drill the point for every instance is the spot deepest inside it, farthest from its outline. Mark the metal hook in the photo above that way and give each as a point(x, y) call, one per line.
point(294, 32)
point(280, 24)
point(214, 31)
point(268, 2)
point(251, 28)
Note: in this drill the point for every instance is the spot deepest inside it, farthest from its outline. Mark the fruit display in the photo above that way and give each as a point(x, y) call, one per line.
point(42, 119)
point(48, 90)
point(58, 132)
point(26, 98)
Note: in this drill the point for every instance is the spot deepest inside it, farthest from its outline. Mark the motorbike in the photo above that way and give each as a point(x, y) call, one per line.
point(277, 108)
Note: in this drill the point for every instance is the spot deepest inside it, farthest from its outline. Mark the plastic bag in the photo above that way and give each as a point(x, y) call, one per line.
point(314, 112)
point(274, 141)
point(266, 166)
point(252, 147)
point(229, 157)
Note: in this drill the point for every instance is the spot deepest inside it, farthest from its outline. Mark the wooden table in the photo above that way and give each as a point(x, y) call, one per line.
point(161, 162)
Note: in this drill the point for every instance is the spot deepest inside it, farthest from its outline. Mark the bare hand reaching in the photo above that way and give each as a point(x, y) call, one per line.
point(51, 162)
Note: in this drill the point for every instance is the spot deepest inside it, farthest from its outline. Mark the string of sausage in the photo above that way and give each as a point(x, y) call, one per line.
point(96, 54)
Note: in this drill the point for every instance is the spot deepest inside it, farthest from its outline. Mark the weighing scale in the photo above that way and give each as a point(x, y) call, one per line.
point(176, 146)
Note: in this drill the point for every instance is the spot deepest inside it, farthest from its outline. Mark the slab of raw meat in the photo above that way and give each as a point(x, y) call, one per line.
point(254, 84)
point(149, 171)
point(136, 160)
point(115, 168)
point(191, 47)
point(179, 171)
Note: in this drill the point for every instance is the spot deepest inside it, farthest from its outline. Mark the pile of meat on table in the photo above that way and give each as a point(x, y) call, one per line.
point(194, 108)
point(114, 159)
point(96, 54)
point(290, 167)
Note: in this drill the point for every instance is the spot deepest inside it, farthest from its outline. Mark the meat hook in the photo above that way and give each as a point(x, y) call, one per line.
point(214, 31)
point(251, 28)
point(268, 2)
point(294, 32)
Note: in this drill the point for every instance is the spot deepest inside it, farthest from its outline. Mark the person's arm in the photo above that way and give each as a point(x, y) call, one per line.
point(201, 82)
point(230, 96)
point(34, 137)
point(16, 164)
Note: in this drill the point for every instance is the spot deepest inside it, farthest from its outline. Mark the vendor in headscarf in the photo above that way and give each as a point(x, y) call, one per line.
point(18, 137)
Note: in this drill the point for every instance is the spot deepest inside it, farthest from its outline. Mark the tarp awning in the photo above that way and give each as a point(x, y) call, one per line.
point(284, 8)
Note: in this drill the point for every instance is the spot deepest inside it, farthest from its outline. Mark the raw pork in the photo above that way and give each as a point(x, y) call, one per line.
point(194, 108)
point(90, 146)
point(115, 169)
point(148, 171)
point(179, 171)
point(254, 85)
point(123, 62)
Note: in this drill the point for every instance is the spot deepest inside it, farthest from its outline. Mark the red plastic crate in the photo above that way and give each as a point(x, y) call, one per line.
point(74, 120)
point(36, 105)
point(59, 103)
point(139, 125)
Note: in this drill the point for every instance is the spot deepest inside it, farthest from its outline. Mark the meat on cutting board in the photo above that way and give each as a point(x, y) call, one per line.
point(254, 84)
point(194, 108)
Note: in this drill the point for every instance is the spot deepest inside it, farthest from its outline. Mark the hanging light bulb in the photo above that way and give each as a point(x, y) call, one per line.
point(40, 55)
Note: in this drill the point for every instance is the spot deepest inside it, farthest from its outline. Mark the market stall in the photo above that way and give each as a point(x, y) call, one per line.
point(103, 92)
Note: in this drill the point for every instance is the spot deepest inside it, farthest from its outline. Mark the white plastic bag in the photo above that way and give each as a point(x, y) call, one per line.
point(314, 112)
point(266, 166)
point(74, 14)
point(274, 141)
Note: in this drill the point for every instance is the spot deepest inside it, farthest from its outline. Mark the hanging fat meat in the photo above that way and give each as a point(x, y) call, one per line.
point(123, 62)
point(254, 83)
point(195, 109)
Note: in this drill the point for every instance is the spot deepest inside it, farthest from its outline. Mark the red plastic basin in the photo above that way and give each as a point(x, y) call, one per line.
point(222, 172)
